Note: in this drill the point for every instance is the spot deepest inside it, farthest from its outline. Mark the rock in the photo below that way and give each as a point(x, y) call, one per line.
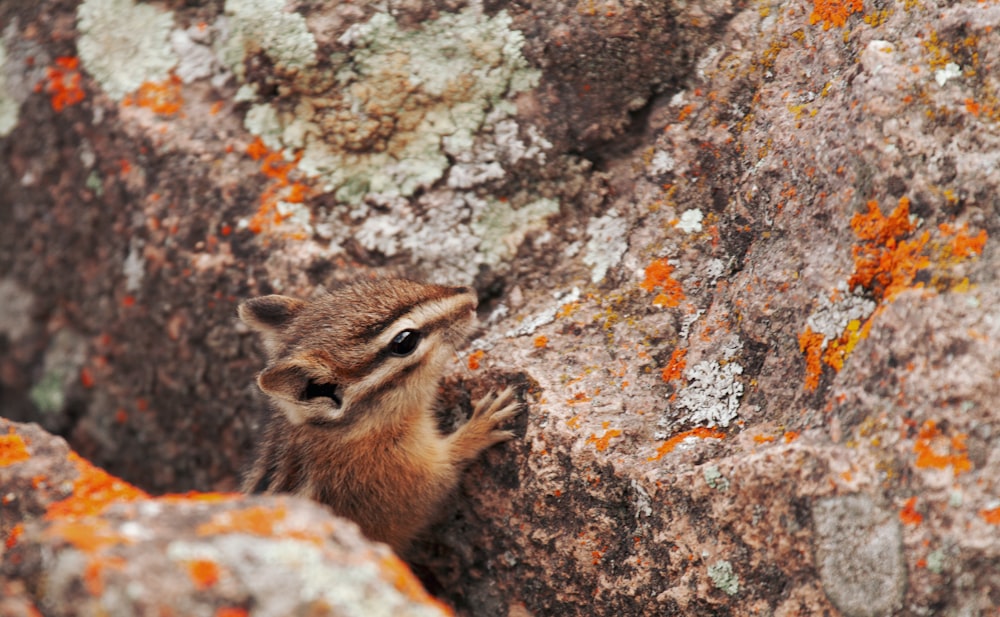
point(859, 555)
point(107, 548)
point(739, 258)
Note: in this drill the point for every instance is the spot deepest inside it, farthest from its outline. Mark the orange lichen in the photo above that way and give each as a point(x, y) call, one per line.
point(909, 514)
point(602, 442)
point(402, 578)
point(163, 97)
point(280, 190)
point(93, 490)
point(963, 245)
point(541, 341)
point(574, 422)
point(88, 536)
point(699, 432)
point(658, 275)
point(86, 378)
point(13, 536)
point(567, 309)
point(256, 520)
point(257, 149)
point(93, 578)
point(474, 359)
point(929, 457)
point(231, 611)
point(834, 12)
point(811, 344)
point(991, 516)
point(64, 83)
point(763, 438)
point(201, 497)
point(884, 263)
point(204, 573)
point(13, 449)
point(675, 368)
point(790, 436)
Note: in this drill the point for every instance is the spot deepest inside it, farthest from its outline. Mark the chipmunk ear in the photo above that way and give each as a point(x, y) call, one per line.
point(269, 313)
point(299, 393)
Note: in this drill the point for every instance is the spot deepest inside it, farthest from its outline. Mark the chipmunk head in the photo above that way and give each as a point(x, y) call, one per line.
point(379, 344)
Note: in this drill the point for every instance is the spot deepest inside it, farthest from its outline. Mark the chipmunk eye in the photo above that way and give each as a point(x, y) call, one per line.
point(404, 343)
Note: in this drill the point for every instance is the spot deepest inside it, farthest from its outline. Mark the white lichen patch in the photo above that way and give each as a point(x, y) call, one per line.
point(546, 316)
point(608, 241)
point(9, 107)
point(197, 59)
point(834, 314)
point(690, 221)
point(950, 71)
point(266, 26)
point(134, 267)
point(123, 44)
point(661, 163)
point(384, 119)
point(712, 394)
point(459, 232)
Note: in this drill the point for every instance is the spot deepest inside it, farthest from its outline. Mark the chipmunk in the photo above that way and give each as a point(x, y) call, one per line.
point(353, 377)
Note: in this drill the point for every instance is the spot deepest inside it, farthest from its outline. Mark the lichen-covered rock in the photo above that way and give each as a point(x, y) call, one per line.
point(103, 547)
point(741, 257)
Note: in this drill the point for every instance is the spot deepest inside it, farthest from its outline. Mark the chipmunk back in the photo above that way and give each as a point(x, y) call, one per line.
point(353, 380)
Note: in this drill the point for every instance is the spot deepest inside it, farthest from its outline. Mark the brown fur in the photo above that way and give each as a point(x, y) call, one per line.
point(377, 457)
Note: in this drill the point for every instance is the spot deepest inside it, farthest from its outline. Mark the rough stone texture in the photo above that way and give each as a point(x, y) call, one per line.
point(739, 256)
point(97, 546)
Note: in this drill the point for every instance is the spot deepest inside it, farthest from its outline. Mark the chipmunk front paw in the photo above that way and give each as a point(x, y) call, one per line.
point(481, 431)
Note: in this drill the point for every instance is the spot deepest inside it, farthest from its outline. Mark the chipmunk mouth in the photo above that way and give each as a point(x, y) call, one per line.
point(316, 390)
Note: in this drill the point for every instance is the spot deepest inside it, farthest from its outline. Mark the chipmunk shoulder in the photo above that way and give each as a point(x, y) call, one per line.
point(353, 379)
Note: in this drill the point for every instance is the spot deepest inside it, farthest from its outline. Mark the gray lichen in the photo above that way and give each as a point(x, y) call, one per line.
point(608, 241)
point(400, 103)
point(724, 577)
point(123, 44)
point(8, 106)
point(713, 393)
point(266, 26)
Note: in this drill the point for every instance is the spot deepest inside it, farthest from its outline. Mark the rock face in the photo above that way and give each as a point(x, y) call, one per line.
point(107, 548)
point(738, 257)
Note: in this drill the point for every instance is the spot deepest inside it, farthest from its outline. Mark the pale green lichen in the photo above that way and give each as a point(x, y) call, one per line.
point(47, 394)
point(9, 107)
point(123, 44)
point(936, 561)
point(715, 479)
point(94, 183)
point(266, 26)
point(64, 358)
point(724, 577)
point(400, 103)
point(503, 228)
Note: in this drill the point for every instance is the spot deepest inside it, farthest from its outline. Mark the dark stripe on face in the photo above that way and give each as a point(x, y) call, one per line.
point(395, 382)
point(441, 323)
